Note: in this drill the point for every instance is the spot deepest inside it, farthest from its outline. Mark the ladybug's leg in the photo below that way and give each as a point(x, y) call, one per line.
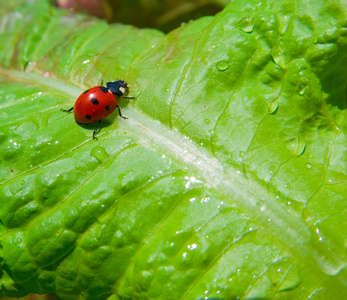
point(102, 82)
point(120, 114)
point(96, 129)
point(126, 97)
point(67, 110)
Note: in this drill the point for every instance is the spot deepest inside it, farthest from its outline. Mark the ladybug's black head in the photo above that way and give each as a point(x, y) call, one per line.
point(117, 87)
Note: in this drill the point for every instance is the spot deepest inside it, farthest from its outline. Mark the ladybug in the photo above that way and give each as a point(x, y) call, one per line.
point(98, 102)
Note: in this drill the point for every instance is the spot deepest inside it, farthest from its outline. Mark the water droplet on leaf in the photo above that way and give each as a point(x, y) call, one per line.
point(261, 205)
point(247, 25)
point(333, 22)
point(292, 145)
point(273, 108)
point(222, 65)
point(278, 58)
point(29, 67)
point(302, 90)
point(296, 146)
point(301, 147)
point(99, 153)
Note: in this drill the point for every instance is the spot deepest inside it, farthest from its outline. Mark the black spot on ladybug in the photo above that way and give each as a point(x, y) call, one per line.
point(103, 89)
point(95, 101)
point(85, 92)
point(88, 117)
point(107, 107)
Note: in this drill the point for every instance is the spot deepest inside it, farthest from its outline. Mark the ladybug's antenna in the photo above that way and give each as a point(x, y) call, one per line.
point(126, 81)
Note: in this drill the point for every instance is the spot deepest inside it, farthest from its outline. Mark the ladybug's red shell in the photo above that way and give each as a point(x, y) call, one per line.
point(94, 105)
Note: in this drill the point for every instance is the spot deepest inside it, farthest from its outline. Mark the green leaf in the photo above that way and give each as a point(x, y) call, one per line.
point(227, 181)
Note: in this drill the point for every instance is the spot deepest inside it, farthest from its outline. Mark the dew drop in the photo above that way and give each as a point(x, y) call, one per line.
point(308, 166)
point(192, 246)
point(273, 108)
point(29, 67)
point(285, 22)
point(278, 58)
point(222, 65)
point(99, 153)
point(315, 39)
point(247, 25)
point(302, 90)
point(207, 121)
point(261, 205)
point(301, 147)
point(296, 146)
point(241, 157)
point(292, 145)
point(333, 22)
